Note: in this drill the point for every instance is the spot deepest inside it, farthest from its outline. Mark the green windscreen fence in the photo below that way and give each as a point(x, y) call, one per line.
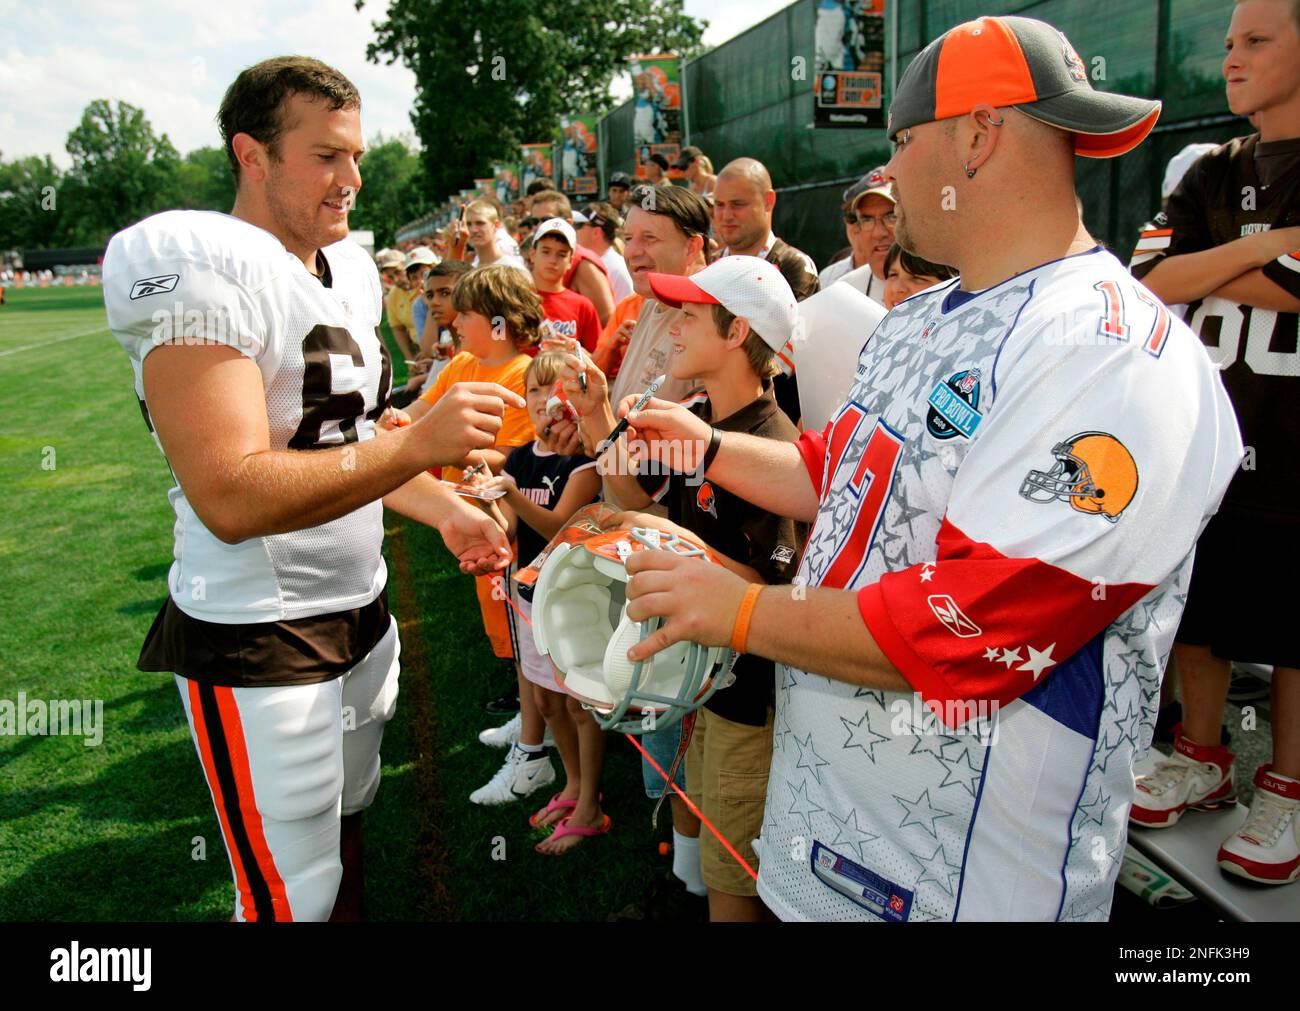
point(752, 96)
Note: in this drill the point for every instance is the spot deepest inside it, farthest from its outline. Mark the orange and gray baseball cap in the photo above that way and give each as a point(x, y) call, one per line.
point(1026, 63)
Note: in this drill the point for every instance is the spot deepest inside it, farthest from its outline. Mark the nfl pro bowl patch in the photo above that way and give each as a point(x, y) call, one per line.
point(954, 406)
point(867, 888)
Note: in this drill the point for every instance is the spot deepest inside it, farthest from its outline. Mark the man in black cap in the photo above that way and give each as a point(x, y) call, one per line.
point(868, 211)
point(656, 169)
point(620, 185)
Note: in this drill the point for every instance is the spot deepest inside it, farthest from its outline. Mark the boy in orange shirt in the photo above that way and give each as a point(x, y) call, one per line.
point(498, 315)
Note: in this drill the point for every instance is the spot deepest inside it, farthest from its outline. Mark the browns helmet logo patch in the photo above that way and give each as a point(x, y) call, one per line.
point(705, 500)
point(1094, 472)
point(1072, 61)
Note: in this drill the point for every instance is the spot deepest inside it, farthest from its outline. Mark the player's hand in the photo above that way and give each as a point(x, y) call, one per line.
point(595, 400)
point(475, 537)
point(468, 417)
point(392, 419)
point(666, 432)
point(697, 599)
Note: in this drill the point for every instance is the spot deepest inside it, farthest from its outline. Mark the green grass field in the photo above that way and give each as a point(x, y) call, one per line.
point(110, 832)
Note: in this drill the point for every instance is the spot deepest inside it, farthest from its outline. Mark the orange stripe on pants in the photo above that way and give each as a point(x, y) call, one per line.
point(248, 803)
point(214, 783)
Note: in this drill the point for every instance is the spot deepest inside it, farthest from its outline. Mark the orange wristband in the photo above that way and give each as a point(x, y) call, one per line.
point(740, 631)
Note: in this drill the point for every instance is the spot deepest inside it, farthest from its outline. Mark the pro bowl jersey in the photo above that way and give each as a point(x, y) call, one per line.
point(1013, 490)
point(326, 374)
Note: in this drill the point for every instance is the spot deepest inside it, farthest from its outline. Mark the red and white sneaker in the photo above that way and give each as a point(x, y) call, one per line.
point(1195, 776)
point(1267, 848)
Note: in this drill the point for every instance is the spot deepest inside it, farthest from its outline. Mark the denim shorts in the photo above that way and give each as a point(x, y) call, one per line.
point(662, 745)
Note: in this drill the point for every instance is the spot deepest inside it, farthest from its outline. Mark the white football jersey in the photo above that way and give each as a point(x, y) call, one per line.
point(1014, 489)
point(326, 374)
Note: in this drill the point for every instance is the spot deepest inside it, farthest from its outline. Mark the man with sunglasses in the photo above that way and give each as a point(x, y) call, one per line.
point(869, 225)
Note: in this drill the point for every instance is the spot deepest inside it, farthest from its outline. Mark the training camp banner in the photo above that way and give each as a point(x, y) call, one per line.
point(537, 164)
point(578, 155)
point(657, 95)
point(849, 87)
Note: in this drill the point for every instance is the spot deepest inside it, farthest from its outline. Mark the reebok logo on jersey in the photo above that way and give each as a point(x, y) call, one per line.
point(154, 285)
point(952, 617)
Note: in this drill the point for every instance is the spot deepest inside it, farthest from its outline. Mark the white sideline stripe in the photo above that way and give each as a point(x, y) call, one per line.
point(57, 340)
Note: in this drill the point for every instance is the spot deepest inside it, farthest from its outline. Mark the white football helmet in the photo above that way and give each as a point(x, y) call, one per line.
point(580, 622)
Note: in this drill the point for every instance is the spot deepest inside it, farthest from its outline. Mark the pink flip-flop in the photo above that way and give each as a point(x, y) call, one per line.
point(563, 828)
point(552, 805)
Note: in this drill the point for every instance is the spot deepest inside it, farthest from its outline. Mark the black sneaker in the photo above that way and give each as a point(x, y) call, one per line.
point(505, 705)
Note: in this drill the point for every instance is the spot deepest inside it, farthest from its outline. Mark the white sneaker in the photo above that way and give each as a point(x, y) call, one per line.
point(520, 775)
point(508, 734)
point(1195, 777)
point(504, 735)
point(1267, 848)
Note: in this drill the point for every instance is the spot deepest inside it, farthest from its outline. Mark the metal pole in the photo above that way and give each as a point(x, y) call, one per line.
point(686, 105)
point(891, 43)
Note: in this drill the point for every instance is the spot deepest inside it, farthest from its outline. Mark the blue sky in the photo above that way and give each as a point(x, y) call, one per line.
point(174, 58)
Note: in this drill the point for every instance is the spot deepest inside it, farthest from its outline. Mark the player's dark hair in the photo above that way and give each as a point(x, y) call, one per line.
point(506, 296)
point(253, 104)
point(916, 266)
point(537, 186)
point(687, 208)
point(448, 268)
point(759, 354)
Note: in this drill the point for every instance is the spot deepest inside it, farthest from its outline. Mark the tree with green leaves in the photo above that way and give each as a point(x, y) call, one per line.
point(492, 74)
point(29, 203)
point(392, 191)
point(206, 183)
point(121, 172)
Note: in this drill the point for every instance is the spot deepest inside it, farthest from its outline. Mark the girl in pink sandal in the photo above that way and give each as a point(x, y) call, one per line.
point(542, 490)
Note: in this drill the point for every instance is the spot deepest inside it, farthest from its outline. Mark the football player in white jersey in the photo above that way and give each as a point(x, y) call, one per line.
point(258, 362)
point(1010, 497)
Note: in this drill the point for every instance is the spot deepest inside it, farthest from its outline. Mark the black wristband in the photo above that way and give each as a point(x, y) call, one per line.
point(714, 442)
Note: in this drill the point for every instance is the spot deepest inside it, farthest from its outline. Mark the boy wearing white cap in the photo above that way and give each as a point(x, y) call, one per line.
point(735, 315)
point(568, 314)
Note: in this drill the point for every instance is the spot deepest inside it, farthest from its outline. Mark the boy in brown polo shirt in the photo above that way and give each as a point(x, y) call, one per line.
point(735, 315)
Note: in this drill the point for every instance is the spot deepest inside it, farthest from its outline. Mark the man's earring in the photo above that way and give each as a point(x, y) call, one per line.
point(970, 172)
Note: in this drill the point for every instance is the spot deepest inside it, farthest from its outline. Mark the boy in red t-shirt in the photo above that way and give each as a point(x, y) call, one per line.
point(568, 314)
